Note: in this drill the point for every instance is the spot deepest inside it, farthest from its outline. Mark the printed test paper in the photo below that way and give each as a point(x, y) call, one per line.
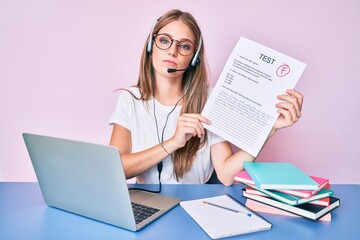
point(241, 107)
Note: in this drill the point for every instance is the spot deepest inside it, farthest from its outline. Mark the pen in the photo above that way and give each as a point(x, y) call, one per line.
point(226, 208)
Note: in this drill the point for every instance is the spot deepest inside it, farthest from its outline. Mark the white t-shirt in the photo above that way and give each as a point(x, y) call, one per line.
point(138, 117)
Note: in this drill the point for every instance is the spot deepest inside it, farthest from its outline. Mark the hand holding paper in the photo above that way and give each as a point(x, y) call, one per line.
point(289, 109)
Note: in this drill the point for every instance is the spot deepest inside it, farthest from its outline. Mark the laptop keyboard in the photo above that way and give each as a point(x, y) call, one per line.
point(142, 212)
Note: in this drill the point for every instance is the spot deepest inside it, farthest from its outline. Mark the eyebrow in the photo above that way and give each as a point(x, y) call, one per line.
point(181, 39)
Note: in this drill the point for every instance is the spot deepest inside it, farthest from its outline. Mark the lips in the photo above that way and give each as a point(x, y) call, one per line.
point(169, 62)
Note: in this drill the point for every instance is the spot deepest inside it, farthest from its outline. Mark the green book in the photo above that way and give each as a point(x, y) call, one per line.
point(293, 200)
point(279, 175)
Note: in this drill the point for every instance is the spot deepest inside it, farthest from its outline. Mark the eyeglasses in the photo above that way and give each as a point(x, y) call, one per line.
point(164, 41)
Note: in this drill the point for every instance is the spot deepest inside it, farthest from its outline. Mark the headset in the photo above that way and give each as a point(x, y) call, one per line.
point(195, 60)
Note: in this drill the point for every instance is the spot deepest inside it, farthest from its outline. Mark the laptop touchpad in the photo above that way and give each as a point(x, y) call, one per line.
point(139, 196)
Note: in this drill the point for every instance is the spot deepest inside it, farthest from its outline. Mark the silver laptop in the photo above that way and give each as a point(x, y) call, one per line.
point(89, 180)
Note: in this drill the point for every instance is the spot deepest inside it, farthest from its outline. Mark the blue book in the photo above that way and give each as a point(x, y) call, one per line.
point(279, 175)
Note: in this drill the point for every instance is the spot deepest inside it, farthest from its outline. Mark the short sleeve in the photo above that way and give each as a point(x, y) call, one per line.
point(215, 138)
point(123, 110)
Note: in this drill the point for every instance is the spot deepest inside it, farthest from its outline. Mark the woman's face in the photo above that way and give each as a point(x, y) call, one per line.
point(171, 58)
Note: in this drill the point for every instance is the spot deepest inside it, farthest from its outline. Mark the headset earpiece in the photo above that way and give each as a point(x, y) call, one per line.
point(151, 37)
point(196, 60)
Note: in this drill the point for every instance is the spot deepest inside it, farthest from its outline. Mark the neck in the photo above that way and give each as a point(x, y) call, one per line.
point(168, 91)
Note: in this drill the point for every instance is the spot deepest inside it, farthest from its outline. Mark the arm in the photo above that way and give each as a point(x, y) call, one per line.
point(134, 163)
point(227, 164)
point(188, 125)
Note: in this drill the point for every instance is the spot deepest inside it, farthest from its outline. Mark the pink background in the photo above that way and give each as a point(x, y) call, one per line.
point(60, 60)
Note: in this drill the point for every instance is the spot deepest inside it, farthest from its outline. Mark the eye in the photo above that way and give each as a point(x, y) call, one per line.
point(165, 40)
point(185, 46)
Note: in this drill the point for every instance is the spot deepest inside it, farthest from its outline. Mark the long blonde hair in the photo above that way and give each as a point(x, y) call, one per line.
point(194, 84)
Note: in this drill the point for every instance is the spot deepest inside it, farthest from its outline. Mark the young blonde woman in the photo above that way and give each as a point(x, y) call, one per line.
point(157, 125)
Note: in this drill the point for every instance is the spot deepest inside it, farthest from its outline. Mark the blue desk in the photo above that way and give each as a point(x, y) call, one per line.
point(24, 215)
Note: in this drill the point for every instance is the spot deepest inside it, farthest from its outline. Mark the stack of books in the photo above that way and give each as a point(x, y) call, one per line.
point(282, 188)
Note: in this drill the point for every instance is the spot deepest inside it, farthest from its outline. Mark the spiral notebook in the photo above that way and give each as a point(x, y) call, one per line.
point(223, 216)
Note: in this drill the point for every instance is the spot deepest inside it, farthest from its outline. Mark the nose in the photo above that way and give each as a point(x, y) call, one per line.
point(173, 49)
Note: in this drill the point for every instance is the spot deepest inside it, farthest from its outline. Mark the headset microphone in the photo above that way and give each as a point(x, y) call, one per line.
point(172, 70)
